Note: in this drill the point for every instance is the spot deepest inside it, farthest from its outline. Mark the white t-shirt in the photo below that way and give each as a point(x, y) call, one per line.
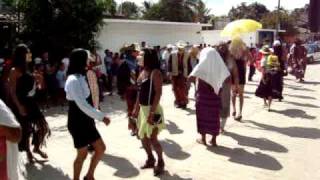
point(77, 89)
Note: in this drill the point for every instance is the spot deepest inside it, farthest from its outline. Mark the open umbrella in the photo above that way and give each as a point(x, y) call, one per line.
point(242, 26)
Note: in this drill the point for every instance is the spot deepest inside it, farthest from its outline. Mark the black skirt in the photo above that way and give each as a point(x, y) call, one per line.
point(81, 127)
point(270, 85)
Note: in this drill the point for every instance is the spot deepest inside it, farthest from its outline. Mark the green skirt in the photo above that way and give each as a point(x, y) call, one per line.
point(144, 128)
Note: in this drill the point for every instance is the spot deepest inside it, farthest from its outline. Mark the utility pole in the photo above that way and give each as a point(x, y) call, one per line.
point(278, 19)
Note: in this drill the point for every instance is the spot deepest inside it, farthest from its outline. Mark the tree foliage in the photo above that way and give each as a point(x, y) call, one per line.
point(178, 11)
point(253, 11)
point(57, 25)
point(129, 10)
point(287, 22)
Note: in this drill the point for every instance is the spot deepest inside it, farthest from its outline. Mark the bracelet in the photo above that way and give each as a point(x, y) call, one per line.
point(151, 112)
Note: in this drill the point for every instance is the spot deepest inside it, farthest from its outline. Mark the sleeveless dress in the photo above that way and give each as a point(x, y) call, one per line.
point(144, 128)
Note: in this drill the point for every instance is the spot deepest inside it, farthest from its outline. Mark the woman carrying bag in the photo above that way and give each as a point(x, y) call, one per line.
point(148, 110)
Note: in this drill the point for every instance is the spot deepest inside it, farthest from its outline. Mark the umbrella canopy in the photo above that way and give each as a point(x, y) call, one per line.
point(238, 27)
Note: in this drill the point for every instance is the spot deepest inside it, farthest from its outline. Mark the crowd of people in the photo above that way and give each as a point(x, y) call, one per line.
point(138, 73)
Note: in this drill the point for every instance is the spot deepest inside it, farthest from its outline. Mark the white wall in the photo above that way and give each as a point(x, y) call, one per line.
point(115, 34)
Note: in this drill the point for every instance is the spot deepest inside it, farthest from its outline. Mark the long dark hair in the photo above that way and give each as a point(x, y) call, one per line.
point(20, 57)
point(78, 62)
point(151, 60)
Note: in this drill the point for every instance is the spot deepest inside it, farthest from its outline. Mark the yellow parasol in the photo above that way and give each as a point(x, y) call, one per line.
point(238, 27)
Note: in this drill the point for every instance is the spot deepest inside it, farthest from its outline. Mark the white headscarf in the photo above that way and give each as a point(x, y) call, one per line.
point(211, 69)
point(14, 162)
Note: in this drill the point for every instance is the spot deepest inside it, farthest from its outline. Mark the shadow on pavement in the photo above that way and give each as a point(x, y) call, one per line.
point(173, 128)
point(46, 171)
point(174, 150)
point(168, 176)
point(260, 143)
point(190, 111)
point(125, 169)
point(241, 156)
point(311, 82)
point(300, 96)
point(302, 104)
point(296, 132)
point(297, 88)
point(295, 113)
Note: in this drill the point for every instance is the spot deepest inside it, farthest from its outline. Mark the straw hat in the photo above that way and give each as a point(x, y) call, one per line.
point(265, 50)
point(181, 44)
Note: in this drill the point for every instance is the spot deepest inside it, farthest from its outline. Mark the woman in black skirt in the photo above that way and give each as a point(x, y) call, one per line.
point(81, 115)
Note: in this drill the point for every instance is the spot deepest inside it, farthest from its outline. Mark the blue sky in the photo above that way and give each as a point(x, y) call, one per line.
point(222, 7)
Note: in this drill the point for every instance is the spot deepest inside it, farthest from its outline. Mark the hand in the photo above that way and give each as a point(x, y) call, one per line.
point(150, 119)
point(22, 111)
point(135, 113)
point(106, 121)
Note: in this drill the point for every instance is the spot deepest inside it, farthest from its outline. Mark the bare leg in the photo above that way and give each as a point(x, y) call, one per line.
point(233, 99)
point(146, 143)
point(241, 98)
point(99, 149)
point(214, 141)
point(156, 145)
point(202, 140)
point(78, 162)
point(223, 124)
point(269, 103)
point(159, 169)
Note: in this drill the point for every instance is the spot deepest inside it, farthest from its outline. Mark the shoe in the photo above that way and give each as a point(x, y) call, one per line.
point(159, 169)
point(239, 118)
point(234, 114)
point(149, 164)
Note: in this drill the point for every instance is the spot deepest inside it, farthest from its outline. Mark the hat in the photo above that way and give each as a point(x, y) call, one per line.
point(276, 43)
point(181, 44)
point(265, 49)
point(37, 60)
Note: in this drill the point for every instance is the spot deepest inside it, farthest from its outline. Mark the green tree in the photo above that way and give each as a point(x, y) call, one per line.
point(129, 10)
point(178, 11)
point(253, 11)
point(62, 24)
point(287, 22)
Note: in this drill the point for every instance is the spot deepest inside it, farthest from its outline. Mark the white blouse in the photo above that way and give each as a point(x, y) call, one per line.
point(77, 90)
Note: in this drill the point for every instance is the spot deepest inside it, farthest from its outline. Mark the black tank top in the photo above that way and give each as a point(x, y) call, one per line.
point(144, 90)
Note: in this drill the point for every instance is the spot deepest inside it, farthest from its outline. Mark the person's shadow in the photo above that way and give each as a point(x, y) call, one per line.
point(46, 171)
point(168, 176)
point(173, 128)
point(295, 132)
point(241, 156)
point(295, 113)
point(125, 169)
point(260, 143)
point(174, 150)
point(302, 104)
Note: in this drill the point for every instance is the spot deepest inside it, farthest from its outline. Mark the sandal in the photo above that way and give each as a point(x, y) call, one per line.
point(149, 164)
point(159, 170)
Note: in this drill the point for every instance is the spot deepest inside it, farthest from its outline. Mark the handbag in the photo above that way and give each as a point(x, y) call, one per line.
point(157, 117)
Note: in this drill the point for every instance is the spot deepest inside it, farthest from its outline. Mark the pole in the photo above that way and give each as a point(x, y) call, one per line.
point(278, 19)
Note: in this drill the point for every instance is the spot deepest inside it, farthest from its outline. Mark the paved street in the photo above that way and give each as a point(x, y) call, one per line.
point(279, 145)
